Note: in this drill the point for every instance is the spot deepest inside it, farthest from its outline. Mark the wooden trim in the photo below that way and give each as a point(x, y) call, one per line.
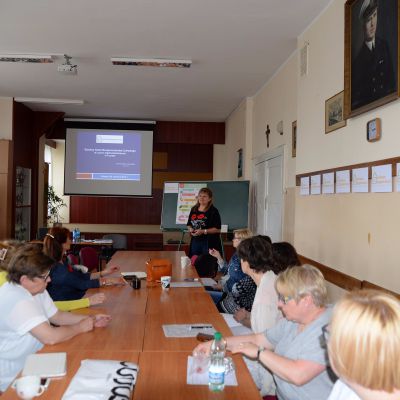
point(343, 280)
point(369, 285)
point(338, 278)
point(369, 164)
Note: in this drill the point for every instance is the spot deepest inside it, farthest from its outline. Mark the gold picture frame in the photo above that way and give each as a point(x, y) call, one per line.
point(371, 55)
point(334, 116)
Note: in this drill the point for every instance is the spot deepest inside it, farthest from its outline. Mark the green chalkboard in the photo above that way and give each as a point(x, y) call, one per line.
point(230, 197)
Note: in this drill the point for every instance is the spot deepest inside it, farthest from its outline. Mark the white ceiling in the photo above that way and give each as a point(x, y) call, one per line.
point(235, 45)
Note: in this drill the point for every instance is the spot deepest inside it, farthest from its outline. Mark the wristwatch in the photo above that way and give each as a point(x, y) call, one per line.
point(205, 231)
point(259, 351)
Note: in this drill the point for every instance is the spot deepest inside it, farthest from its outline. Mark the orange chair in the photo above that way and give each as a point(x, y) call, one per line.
point(89, 258)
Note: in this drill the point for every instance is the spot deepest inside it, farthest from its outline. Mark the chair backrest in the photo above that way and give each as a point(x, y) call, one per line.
point(89, 258)
point(42, 233)
point(120, 242)
point(72, 259)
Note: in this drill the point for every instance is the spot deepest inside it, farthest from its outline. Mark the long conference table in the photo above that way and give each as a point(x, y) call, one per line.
point(135, 334)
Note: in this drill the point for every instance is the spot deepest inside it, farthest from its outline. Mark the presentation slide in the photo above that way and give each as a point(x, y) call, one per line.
point(108, 162)
point(111, 156)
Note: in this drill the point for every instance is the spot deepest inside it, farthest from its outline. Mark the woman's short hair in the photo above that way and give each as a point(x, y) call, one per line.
point(285, 256)
point(209, 193)
point(28, 260)
point(364, 342)
point(53, 241)
point(257, 252)
point(299, 282)
point(243, 233)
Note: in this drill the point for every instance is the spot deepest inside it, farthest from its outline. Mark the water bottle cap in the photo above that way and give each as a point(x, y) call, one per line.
point(217, 336)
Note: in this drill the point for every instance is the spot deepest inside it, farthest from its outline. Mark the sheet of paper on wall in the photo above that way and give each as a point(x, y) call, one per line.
point(398, 177)
point(359, 181)
point(315, 184)
point(328, 183)
point(171, 187)
point(305, 186)
point(343, 181)
point(381, 179)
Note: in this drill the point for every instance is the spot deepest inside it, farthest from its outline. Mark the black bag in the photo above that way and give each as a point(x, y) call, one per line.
point(206, 266)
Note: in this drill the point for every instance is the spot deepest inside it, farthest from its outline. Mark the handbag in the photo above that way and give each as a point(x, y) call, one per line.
point(158, 267)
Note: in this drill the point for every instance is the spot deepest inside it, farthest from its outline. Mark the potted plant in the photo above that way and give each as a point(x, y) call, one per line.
point(54, 204)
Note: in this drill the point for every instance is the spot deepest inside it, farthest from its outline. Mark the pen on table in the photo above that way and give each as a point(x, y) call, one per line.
point(200, 327)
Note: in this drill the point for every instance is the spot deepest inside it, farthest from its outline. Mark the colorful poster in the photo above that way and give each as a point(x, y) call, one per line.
point(343, 181)
point(187, 197)
point(305, 186)
point(359, 182)
point(381, 179)
point(315, 184)
point(328, 183)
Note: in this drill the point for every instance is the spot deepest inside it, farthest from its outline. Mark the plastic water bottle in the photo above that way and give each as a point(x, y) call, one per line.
point(216, 372)
point(78, 235)
point(74, 235)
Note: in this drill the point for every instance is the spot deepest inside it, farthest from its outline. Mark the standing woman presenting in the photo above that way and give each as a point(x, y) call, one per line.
point(204, 225)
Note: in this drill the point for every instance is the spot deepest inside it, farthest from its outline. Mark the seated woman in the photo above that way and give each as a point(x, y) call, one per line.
point(69, 284)
point(8, 248)
point(259, 319)
point(243, 292)
point(232, 271)
point(26, 311)
point(292, 349)
point(364, 346)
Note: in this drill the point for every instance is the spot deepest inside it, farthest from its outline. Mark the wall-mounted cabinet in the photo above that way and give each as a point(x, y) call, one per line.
point(23, 203)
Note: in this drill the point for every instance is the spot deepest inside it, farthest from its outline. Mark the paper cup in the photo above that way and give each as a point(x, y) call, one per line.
point(165, 282)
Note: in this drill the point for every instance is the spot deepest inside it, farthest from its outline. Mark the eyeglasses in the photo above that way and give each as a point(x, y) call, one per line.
point(235, 238)
point(284, 299)
point(326, 334)
point(45, 276)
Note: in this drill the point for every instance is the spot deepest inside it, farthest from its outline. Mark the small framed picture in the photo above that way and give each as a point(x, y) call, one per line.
point(374, 130)
point(334, 113)
point(294, 138)
point(240, 163)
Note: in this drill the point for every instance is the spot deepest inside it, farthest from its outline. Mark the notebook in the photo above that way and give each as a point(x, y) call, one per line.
point(46, 365)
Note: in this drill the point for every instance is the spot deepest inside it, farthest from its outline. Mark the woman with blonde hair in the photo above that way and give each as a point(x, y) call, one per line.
point(292, 350)
point(364, 346)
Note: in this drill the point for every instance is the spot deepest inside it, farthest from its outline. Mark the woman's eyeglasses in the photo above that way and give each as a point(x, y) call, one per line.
point(284, 299)
point(326, 334)
point(45, 276)
point(235, 238)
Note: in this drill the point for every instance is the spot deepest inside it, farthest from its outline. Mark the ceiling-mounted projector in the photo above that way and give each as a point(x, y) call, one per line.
point(67, 67)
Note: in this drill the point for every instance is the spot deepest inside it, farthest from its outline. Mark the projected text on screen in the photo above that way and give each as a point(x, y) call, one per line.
point(112, 156)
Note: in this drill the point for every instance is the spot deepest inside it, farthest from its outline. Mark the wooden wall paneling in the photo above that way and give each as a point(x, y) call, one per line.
point(369, 285)
point(338, 278)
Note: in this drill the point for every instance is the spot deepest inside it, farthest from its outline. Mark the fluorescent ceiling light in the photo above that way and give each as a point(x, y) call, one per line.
point(151, 62)
point(48, 101)
point(124, 121)
point(28, 58)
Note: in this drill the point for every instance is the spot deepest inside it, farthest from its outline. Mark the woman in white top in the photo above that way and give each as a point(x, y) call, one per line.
point(26, 311)
point(263, 312)
point(364, 346)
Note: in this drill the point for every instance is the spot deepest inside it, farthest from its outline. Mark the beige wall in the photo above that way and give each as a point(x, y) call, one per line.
point(6, 116)
point(354, 233)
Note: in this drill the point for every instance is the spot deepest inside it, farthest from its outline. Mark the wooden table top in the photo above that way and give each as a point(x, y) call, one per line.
point(58, 386)
point(135, 334)
point(162, 375)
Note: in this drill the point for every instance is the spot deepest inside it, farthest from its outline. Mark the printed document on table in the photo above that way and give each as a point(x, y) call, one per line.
point(187, 330)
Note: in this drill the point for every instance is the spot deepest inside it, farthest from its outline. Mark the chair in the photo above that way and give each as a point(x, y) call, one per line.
point(119, 243)
point(72, 259)
point(89, 258)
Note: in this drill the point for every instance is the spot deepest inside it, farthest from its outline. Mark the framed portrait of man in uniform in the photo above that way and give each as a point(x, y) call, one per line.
point(371, 68)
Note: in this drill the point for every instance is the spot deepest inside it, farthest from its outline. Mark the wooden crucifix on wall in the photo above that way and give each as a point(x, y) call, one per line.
point(267, 133)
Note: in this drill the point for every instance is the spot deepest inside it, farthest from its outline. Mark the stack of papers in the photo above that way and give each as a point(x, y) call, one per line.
point(46, 365)
point(187, 330)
